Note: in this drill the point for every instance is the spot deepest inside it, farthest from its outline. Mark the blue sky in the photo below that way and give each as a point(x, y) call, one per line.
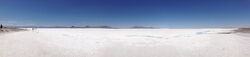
point(124, 13)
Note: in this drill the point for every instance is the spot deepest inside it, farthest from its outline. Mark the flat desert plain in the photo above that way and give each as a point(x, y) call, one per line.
point(66, 42)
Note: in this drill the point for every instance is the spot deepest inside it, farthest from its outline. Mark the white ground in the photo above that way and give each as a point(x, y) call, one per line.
point(124, 43)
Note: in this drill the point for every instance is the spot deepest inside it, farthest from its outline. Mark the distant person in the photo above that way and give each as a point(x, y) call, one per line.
point(1, 26)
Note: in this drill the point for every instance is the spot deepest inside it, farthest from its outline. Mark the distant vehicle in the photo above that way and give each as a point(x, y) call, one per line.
point(33, 28)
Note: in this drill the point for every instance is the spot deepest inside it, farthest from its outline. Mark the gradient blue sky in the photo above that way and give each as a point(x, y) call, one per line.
point(124, 13)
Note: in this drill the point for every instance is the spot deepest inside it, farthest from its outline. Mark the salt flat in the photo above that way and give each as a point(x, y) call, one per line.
point(124, 43)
